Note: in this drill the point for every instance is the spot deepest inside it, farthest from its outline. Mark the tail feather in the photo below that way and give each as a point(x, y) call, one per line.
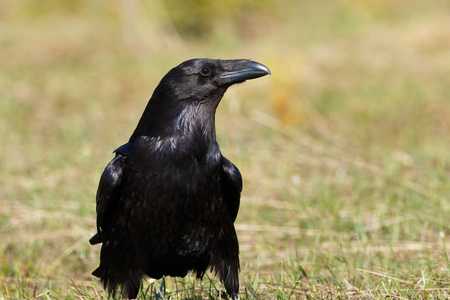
point(129, 286)
point(229, 274)
point(98, 272)
point(225, 261)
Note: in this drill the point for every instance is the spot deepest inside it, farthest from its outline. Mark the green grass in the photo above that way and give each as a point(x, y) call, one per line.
point(343, 150)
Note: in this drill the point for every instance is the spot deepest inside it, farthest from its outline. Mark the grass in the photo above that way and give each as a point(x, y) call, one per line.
point(343, 150)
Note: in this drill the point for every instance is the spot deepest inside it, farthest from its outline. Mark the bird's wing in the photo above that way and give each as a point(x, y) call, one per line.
point(232, 187)
point(108, 191)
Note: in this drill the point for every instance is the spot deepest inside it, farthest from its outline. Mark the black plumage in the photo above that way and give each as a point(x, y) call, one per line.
point(167, 202)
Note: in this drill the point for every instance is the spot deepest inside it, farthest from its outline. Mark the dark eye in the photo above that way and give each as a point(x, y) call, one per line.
point(205, 71)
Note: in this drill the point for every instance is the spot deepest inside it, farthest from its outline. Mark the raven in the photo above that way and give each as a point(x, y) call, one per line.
point(167, 201)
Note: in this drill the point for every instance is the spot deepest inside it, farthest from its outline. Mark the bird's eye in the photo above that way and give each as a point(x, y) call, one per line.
point(205, 71)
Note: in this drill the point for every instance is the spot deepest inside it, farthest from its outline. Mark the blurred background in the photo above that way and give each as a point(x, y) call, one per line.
point(343, 150)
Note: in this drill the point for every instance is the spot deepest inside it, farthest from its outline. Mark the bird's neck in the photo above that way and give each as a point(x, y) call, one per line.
point(164, 118)
point(197, 122)
point(189, 130)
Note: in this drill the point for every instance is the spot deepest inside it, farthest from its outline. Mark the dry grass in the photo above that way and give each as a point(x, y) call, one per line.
point(344, 149)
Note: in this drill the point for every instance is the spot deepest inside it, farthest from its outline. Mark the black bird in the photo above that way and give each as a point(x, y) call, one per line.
point(167, 201)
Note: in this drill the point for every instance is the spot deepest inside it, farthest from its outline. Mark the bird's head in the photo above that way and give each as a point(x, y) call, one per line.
point(190, 93)
point(208, 79)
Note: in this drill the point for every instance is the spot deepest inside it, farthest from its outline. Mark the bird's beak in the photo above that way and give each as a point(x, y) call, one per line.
point(241, 70)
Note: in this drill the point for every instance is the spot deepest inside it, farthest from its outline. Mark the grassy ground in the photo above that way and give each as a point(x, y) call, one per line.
point(343, 150)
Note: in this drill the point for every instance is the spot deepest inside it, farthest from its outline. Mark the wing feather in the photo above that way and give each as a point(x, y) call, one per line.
point(108, 195)
point(232, 187)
